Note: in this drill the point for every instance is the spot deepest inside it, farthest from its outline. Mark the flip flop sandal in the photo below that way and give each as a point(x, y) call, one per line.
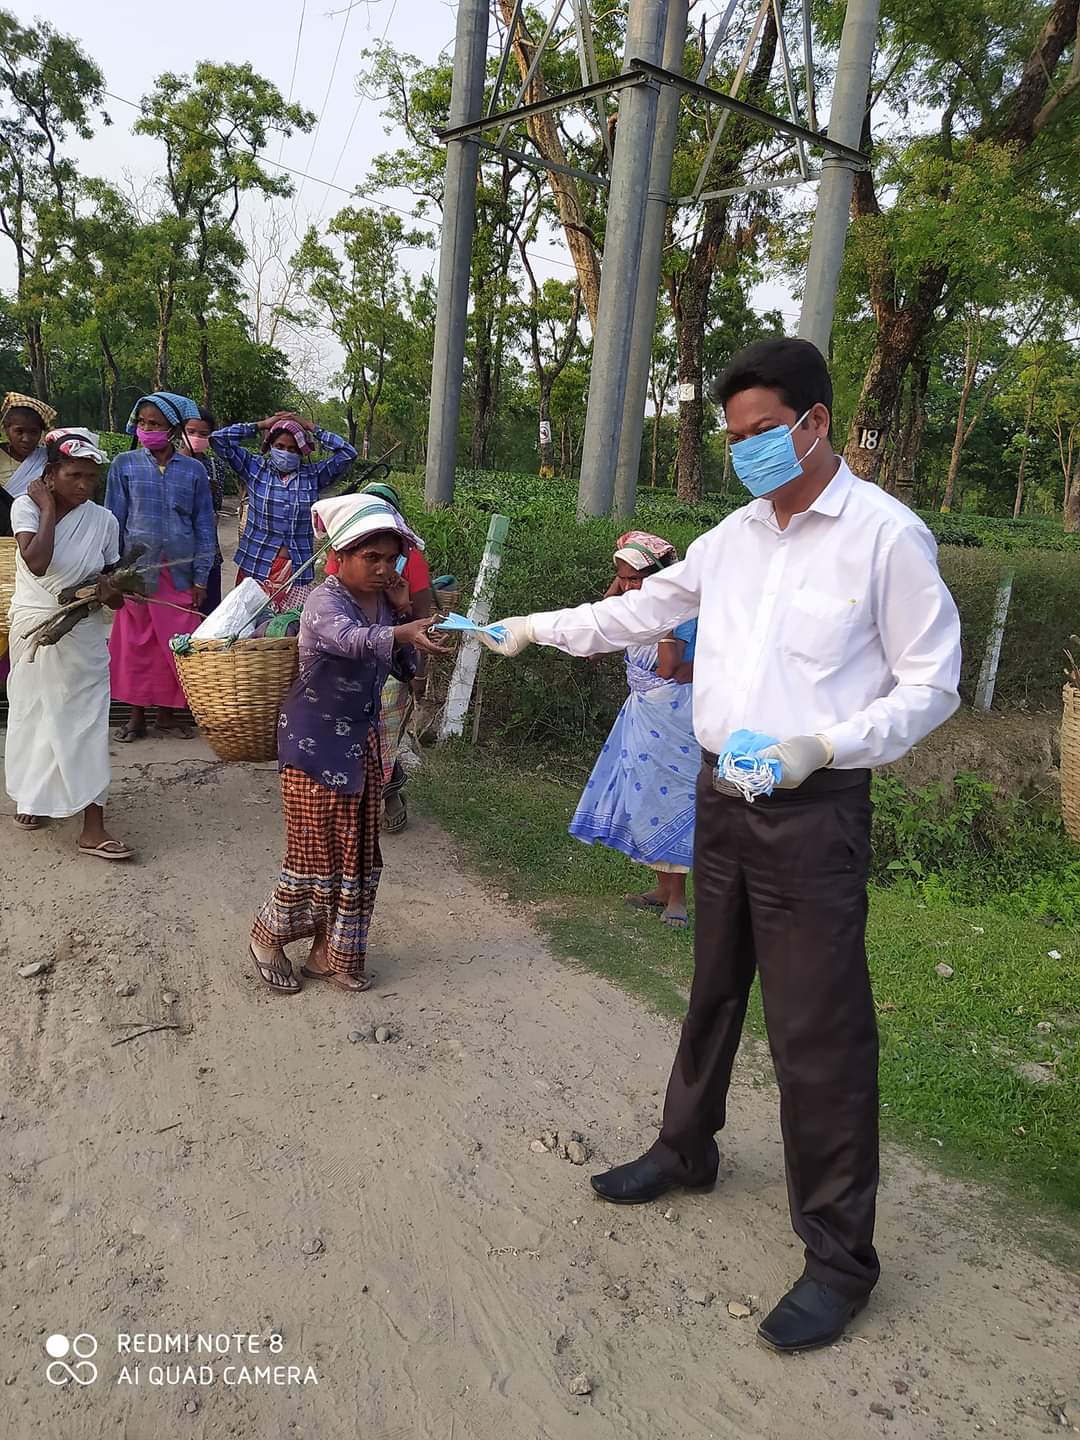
point(127, 735)
point(262, 970)
point(643, 901)
point(355, 983)
point(398, 823)
point(108, 850)
point(28, 822)
point(675, 919)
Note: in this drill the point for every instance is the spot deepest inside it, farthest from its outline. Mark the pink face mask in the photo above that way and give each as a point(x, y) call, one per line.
point(198, 444)
point(152, 439)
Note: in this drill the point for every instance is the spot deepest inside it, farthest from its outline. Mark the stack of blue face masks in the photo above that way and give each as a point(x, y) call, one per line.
point(464, 625)
point(740, 766)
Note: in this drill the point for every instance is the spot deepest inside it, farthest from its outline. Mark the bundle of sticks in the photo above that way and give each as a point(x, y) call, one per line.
point(79, 601)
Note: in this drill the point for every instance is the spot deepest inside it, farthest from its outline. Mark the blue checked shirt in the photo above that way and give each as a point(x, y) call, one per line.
point(279, 506)
point(171, 514)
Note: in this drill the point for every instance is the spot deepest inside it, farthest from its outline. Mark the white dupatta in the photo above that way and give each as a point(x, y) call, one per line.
point(21, 479)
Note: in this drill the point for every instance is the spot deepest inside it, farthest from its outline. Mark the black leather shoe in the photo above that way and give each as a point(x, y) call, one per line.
point(646, 1179)
point(810, 1315)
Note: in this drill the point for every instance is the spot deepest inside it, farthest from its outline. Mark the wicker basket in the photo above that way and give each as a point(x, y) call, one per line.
point(8, 550)
point(235, 692)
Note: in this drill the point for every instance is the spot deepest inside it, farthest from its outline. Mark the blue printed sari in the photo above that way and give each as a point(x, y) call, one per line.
point(640, 796)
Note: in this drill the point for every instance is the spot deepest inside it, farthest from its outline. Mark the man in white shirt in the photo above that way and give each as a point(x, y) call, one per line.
point(823, 623)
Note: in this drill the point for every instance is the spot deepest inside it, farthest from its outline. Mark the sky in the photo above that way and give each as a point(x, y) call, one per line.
point(311, 50)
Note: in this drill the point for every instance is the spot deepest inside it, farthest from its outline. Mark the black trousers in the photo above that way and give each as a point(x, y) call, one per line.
point(780, 887)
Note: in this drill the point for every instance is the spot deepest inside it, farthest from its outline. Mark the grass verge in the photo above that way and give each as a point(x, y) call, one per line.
point(980, 1070)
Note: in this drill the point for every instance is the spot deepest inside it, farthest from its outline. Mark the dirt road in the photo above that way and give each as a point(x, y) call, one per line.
point(384, 1208)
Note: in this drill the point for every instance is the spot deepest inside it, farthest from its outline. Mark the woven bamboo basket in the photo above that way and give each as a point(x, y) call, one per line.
point(234, 691)
point(1070, 761)
point(8, 550)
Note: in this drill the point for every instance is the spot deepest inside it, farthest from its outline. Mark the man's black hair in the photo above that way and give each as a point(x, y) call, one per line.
point(795, 369)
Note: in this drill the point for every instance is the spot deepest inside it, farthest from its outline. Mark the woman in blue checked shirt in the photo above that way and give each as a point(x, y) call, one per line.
point(282, 485)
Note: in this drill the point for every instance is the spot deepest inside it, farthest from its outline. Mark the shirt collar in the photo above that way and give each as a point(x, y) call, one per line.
point(831, 501)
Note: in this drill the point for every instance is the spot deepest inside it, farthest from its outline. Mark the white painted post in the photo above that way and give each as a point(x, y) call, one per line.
point(984, 691)
point(468, 658)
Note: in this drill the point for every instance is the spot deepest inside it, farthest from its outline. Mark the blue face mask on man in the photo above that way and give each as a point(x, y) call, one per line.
point(765, 462)
point(284, 460)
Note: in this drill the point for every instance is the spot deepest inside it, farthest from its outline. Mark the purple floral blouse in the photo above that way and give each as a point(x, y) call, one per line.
point(345, 658)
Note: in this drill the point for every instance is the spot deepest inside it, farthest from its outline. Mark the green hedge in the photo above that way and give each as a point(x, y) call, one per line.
point(551, 561)
point(527, 496)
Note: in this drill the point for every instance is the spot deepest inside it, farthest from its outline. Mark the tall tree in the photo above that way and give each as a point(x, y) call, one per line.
point(357, 285)
point(997, 165)
point(416, 99)
point(213, 127)
point(721, 235)
point(49, 89)
point(550, 318)
point(551, 142)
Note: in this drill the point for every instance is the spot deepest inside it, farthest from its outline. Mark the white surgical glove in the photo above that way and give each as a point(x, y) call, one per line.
point(799, 757)
point(518, 637)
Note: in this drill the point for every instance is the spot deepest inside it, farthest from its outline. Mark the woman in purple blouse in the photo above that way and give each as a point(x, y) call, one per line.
point(353, 634)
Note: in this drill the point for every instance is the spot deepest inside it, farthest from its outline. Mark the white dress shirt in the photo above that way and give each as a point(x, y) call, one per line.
point(839, 625)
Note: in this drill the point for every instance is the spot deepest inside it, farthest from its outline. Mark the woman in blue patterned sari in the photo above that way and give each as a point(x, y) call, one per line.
point(640, 796)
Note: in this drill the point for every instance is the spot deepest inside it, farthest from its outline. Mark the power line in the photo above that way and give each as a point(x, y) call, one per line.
point(354, 193)
point(352, 122)
point(326, 97)
point(295, 61)
point(296, 51)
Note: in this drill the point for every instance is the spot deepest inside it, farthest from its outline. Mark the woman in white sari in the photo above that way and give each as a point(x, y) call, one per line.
point(57, 754)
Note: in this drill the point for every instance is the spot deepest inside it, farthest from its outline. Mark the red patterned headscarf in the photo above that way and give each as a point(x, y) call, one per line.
point(642, 550)
point(299, 434)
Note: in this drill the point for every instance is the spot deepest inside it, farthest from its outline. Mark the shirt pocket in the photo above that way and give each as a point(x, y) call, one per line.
point(818, 627)
point(183, 500)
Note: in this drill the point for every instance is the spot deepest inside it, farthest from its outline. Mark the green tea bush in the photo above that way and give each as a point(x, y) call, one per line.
point(987, 843)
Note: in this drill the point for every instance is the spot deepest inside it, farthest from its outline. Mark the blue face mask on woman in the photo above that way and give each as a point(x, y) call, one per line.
point(765, 462)
point(286, 461)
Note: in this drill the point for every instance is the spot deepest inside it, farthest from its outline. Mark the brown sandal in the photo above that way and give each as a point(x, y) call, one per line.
point(264, 971)
point(356, 983)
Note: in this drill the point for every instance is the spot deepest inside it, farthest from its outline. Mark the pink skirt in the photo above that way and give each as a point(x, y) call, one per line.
point(141, 664)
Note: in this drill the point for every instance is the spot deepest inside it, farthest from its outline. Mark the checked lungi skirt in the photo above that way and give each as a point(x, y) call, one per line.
point(332, 867)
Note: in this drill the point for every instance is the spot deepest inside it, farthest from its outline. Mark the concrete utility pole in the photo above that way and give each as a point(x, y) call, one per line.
point(630, 175)
point(648, 281)
point(838, 175)
point(455, 251)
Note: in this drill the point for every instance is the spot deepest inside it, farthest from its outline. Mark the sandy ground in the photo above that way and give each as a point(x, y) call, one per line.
point(382, 1207)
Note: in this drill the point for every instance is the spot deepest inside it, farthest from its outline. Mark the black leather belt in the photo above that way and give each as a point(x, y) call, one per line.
point(821, 782)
